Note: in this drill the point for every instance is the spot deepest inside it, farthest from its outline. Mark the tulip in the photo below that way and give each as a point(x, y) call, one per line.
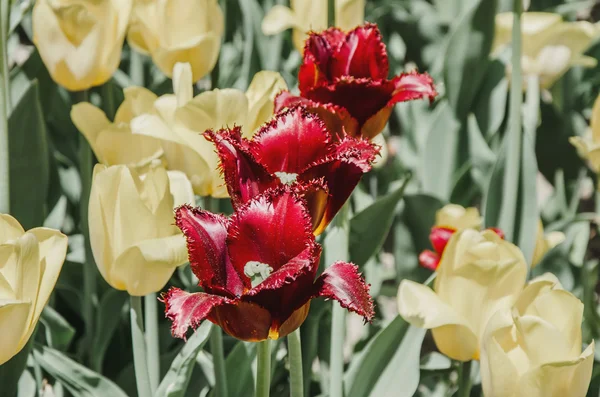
point(173, 31)
point(114, 143)
point(312, 15)
point(179, 120)
point(534, 348)
point(588, 147)
point(458, 217)
point(326, 170)
point(30, 265)
point(550, 46)
point(80, 40)
point(545, 242)
point(479, 274)
point(133, 239)
point(343, 79)
point(257, 270)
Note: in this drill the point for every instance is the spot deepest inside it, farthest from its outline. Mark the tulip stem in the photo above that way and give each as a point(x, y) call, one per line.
point(216, 348)
point(142, 378)
point(464, 379)
point(4, 109)
point(295, 357)
point(151, 323)
point(263, 371)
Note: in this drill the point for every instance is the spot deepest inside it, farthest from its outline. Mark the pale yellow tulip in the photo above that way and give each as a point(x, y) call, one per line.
point(311, 15)
point(588, 147)
point(132, 233)
point(113, 143)
point(479, 274)
point(30, 263)
point(179, 120)
point(457, 217)
point(545, 242)
point(174, 31)
point(550, 46)
point(80, 41)
point(534, 348)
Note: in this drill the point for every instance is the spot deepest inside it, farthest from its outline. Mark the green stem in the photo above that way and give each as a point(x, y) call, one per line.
point(136, 68)
point(464, 379)
point(263, 371)
point(295, 357)
point(4, 109)
point(139, 347)
point(152, 343)
point(513, 153)
point(108, 100)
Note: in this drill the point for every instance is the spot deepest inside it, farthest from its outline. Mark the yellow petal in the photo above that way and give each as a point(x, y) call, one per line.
point(181, 189)
point(261, 95)
point(138, 101)
point(278, 19)
point(182, 83)
point(10, 228)
point(349, 13)
point(458, 217)
point(90, 121)
point(595, 120)
point(535, 26)
point(545, 242)
point(13, 323)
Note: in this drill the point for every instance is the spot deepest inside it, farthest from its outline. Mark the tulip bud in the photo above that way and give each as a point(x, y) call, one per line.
point(30, 265)
point(458, 217)
point(545, 242)
point(132, 233)
point(80, 40)
point(534, 349)
point(479, 274)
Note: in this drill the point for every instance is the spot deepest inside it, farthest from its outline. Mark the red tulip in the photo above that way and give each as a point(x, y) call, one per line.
point(294, 148)
point(257, 270)
point(343, 78)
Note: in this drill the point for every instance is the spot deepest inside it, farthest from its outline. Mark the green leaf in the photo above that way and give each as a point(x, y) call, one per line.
point(419, 216)
point(467, 55)
point(79, 380)
point(176, 381)
point(59, 333)
point(238, 365)
point(29, 160)
point(370, 227)
point(107, 321)
point(490, 103)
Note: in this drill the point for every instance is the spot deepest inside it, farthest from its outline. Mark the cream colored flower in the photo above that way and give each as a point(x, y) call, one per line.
point(457, 217)
point(179, 120)
point(588, 147)
point(545, 242)
point(132, 233)
point(80, 41)
point(174, 31)
point(30, 263)
point(479, 274)
point(550, 46)
point(311, 15)
point(534, 349)
point(113, 143)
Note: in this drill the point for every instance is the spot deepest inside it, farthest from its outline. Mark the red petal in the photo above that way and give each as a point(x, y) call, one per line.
point(497, 230)
point(272, 229)
point(362, 54)
point(205, 233)
point(319, 49)
point(316, 195)
point(243, 320)
point(413, 85)
point(429, 260)
point(439, 237)
point(244, 176)
point(342, 282)
point(291, 141)
point(187, 310)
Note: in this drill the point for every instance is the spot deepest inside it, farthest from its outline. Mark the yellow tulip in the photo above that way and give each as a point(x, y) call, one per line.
point(113, 143)
point(588, 147)
point(132, 233)
point(179, 120)
point(534, 348)
point(479, 274)
point(30, 263)
point(174, 31)
point(550, 45)
point(311, 15)
point(458, 217)
point(80, 41)
point(545, 242)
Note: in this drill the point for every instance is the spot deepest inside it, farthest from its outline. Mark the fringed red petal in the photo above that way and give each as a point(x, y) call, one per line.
point(411, 86)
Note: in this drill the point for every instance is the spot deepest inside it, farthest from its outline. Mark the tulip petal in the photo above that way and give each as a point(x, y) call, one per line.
point(261, 93)
point(206, 234)
point(90, 121)
point(413, 85)
point(429, 260)
point(13, 325)
point(10, 229)
point(188, 310)
point(278, 19)
point(138, 101)
point(439, 238)
point(180, 188)
point(349, 13)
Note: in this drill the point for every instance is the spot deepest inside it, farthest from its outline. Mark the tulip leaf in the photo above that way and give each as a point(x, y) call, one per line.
point(108, 318)
point(238, 367)
point(176, 381)
point(12, 370)
point(467, 55)
point(370, 227)
point(379, 370)
point(419, 216)
point(490, 103)
point(79, 380)
point(59, 332)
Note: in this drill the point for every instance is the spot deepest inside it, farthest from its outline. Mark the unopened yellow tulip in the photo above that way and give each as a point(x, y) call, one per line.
point(545, 242)
point(179, 120)
point(132, 233)
point(113, 143)
point(311, 15)
point(479, 274)
point(174, 31)
point(588, 147)
point(534, 348)
point(30, 263)
point(550, 46)
point(457, 217)
point(80, 41)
